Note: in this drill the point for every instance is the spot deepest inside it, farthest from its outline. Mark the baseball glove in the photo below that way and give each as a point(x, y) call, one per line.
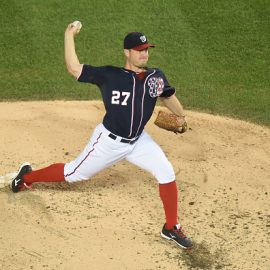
point(171, 122)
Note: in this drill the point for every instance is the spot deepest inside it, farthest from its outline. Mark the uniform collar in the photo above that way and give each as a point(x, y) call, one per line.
point(147, 71)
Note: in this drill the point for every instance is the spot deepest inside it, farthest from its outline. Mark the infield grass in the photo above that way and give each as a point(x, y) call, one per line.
point(216, 53)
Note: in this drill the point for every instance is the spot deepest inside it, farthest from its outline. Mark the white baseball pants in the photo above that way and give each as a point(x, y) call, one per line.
point(103, 151)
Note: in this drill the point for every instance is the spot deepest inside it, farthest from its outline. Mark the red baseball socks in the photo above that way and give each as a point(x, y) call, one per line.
point(168, 195)
point(53, 173)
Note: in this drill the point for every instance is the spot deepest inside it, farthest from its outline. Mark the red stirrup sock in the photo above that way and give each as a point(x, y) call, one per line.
point(53, 173)
point(168, 195)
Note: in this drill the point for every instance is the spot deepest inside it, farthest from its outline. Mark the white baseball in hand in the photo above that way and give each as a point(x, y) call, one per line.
point(78, 25)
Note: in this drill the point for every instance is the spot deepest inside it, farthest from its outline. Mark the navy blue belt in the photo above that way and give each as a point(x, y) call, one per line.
point(131, 141)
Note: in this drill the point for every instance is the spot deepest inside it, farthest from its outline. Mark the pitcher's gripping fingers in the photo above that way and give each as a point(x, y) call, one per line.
point(74, 28)
point(77, 25)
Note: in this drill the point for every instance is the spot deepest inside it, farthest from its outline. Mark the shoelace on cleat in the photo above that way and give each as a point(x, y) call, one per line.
point(24, 186)
point(180, 232)
point(27, 186)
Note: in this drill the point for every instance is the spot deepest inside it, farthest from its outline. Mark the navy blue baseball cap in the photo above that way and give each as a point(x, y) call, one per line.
point(136, 41)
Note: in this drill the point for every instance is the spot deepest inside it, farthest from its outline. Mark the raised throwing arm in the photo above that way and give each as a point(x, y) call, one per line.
point(73, 64)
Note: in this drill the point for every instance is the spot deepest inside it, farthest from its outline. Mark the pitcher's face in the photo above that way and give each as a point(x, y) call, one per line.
point(137, 59)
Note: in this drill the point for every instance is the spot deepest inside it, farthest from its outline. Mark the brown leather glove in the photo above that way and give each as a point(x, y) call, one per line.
point(171, 122)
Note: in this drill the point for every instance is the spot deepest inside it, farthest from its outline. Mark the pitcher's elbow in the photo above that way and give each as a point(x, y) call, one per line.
point(75, 71)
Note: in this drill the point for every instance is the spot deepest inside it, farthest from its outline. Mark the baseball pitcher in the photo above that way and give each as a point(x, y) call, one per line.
point(129, 94)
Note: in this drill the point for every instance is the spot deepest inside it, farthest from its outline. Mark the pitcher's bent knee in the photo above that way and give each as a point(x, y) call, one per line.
point(165, 175)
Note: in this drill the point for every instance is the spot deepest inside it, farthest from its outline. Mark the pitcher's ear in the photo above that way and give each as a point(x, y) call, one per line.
point(126, 52)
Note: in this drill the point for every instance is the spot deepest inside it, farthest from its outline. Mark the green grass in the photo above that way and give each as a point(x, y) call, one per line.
point(216, 53)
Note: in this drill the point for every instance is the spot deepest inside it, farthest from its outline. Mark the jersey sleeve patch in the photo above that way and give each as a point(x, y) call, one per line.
point(160, 87)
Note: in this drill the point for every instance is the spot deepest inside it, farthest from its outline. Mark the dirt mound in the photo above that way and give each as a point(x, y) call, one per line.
point(113, 221)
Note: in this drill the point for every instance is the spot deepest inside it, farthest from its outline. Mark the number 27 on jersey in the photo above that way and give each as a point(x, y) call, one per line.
point(120, 98)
